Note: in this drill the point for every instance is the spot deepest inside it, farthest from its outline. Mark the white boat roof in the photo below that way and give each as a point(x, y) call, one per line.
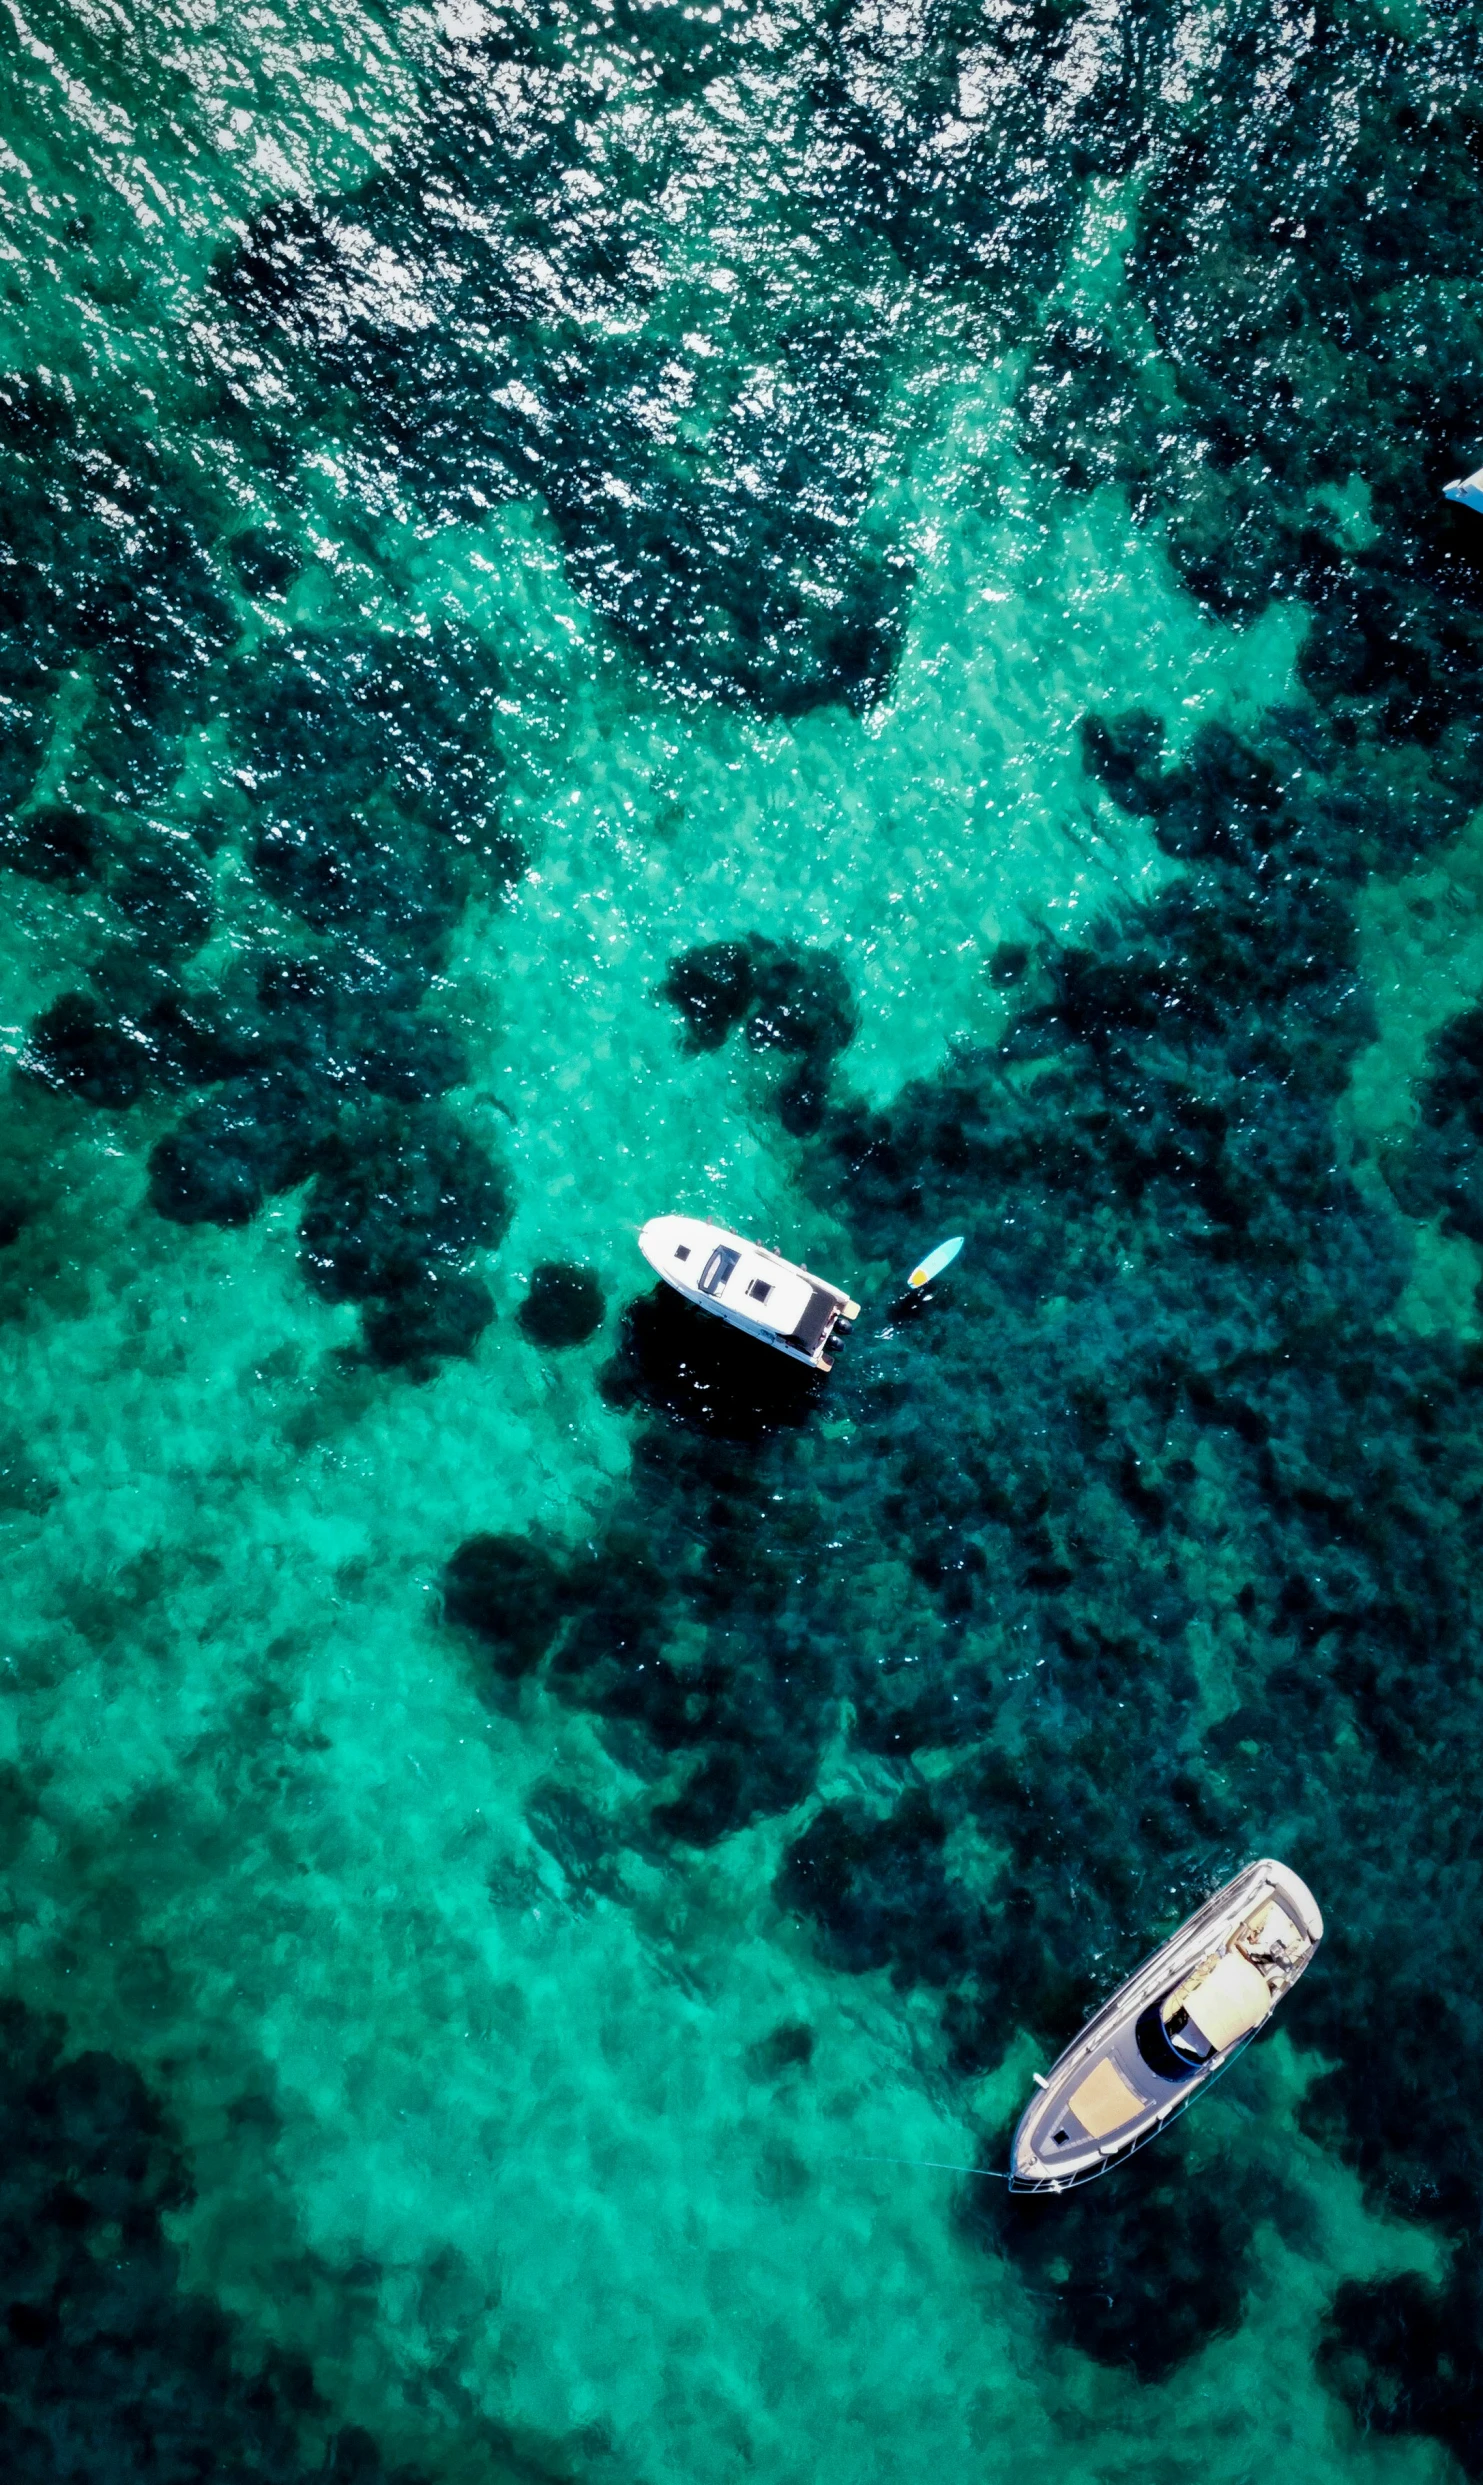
point(761, 1286)
point(1228, 2001)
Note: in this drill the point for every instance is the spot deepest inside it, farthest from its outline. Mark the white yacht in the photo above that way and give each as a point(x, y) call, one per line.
point(1166, 2033)
point(754, 1290)
point(1468, 490)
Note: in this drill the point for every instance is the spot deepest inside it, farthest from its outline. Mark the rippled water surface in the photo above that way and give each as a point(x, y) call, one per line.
point(840, 617)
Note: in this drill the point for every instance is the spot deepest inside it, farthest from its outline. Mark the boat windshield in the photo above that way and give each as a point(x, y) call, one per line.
point(1160, 2047)
point(717, 1269)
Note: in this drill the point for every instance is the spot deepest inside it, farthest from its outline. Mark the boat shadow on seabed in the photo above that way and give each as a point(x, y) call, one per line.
point(1143, 2270)
point(678, 1362)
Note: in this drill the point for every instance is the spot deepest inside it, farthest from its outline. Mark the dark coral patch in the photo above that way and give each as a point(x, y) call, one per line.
point(511, 1594)
point(370, 778)
point(563, 1305)
point(373, 762)
point(250, 1140)
point(718, 511)
point(52, 841)
point(76, 1046)
point(107, 572)
point(712, 988)
point(1443, 1168)
point(789, 2047)
point(801, 1001)
point(1405, 2356)
point(791, 998)
point(1126, 2264)
point(266, 560)
point(404, 1193)
point(165, 897)
point(878, 1888)
point(325, 1082)
point(109, 2368)
point(730, 1731)
point(437, 1313)
point(735, 554)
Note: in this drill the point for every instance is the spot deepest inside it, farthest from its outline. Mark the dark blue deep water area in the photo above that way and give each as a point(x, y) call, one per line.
point(839, 616)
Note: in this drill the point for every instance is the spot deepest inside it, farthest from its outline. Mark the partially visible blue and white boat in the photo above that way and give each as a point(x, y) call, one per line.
point(1468, 491)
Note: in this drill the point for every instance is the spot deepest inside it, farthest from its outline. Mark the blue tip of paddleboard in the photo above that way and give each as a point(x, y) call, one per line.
point(935, 1262)
point(1469, 491)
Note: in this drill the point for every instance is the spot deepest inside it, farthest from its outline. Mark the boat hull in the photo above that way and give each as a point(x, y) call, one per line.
point(1121, 2081)
point(752, 1289)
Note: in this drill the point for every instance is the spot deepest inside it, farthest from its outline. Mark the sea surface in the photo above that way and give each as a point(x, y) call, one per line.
point(841, 617)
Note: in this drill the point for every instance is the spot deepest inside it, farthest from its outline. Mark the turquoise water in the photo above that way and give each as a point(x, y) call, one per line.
point(842, 620)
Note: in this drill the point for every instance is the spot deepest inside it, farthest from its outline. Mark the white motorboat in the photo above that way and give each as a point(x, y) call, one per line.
point(1468, 490)
point(1169, 2031)
point(752, 1289)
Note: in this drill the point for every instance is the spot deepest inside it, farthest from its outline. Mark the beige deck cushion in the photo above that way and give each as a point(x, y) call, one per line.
point(1105, 2101)
point(1232, 2000)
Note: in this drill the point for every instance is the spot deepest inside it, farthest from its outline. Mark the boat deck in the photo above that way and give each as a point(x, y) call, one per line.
point(1210, 1987)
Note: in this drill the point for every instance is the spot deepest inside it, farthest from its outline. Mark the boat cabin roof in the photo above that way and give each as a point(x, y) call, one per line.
point(1227, 2000)
point(748, 1280)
